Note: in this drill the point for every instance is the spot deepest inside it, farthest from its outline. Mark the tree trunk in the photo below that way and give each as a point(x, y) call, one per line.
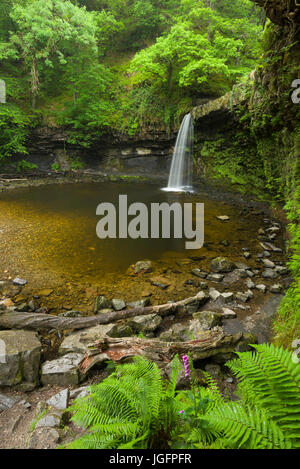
point(15, 320)
point(34, 82)
point(210, 343)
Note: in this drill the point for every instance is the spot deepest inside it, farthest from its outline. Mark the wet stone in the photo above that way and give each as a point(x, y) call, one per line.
point(221, 265)
point(19, 281)
point(276, 288)
point(63, 371)
point(59, 400)
point(199, 273)
point(268, 263)
point(261, 287)
point(269, 273)
point(118, 304)
point(102, 302)
point(215, 277)
point(142, 267)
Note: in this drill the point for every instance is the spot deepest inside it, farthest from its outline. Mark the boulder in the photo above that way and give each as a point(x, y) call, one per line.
point(52, 419)
point(20, 353)
point(118, 304)
point(207, 319)
point(268, 263)
point(199, 273)
point(227, 297)
point(59, 400)
point(214, 294)
point(269, 273)
point(102, 303)
point(44, 438)
point(244, 297)
point(147, 323)
point(261, 287)
point(139, 303)
point(276, 288)
point(7, 402)
point(215, 277)
point(142, 267)
point(176, 333)
point(281, 270)
point(228, 313)
point(62, 371)
point(221, 264)
point(250, 284)
point(78, 342)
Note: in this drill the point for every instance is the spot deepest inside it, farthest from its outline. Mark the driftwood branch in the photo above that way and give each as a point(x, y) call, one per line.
point(15, 320)
point(209, 343)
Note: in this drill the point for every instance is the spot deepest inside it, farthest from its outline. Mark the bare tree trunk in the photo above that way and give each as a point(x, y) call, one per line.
point(34, 82)
point(156, 350)
point(15, 320)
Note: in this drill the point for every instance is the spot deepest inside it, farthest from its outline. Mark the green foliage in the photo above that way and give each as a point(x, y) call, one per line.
point(55, 167)
point(14, 127)
point(270, 381)
point(89, 113)
point(132, 408)
point(265, 417)
point(287, 324)
point(24, 166)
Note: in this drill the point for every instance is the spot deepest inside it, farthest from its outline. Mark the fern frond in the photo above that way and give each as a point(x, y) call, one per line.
point(269, 379)
point(247, 428)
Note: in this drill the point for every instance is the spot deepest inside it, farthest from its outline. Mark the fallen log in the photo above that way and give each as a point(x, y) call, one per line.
point(16, 320)
point(208, 344)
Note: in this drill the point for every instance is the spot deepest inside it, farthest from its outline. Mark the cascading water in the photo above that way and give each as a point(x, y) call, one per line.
point(180, 177)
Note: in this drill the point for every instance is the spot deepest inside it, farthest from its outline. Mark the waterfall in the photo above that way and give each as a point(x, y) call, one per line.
point(180, 177)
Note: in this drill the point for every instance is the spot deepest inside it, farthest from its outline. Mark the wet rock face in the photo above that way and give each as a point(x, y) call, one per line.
point(20, 353)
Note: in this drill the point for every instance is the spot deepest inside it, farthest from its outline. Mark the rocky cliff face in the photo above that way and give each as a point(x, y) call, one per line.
point(150, 151)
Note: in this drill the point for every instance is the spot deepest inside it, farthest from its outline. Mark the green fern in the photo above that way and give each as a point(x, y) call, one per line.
point(247, 428)
point(132, 408)
point(270, 380)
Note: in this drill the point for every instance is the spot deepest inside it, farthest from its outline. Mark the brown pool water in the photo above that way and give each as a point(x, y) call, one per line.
point(48, 236)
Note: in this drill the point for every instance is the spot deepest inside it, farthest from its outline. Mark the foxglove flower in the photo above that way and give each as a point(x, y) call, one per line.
point(185, 359)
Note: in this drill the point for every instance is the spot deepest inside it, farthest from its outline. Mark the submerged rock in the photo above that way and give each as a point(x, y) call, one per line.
point(19, 281)
point(142, 267)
